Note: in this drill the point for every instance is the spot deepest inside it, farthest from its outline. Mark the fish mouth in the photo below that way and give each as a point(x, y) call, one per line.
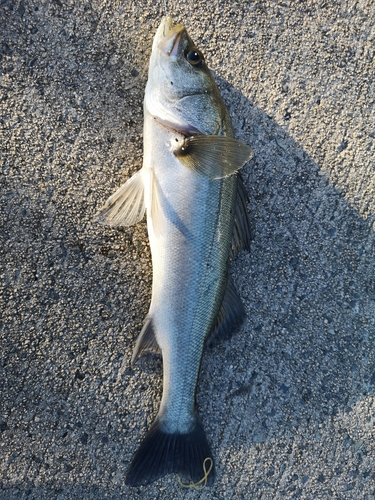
point(169, 36)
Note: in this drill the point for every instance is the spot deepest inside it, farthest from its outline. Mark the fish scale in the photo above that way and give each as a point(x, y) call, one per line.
point(196, 220)
point(188, 331)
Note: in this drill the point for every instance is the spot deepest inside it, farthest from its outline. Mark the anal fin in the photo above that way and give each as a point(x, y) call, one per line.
point(146, 341)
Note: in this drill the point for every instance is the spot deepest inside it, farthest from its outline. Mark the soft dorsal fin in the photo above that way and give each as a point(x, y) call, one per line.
point(230, 316)
point(126, 206)
point(146, 341)
point(241, 236)
point(213, 156)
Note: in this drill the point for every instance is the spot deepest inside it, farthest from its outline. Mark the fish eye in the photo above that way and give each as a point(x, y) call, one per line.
point(195, 58)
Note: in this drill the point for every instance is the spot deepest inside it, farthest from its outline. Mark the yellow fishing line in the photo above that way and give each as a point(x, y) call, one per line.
point(202, 483)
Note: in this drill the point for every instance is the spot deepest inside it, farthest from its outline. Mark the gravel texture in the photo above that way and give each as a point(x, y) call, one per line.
point(288, 403)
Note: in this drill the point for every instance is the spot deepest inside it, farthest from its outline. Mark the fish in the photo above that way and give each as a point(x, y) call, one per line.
point(197, 222)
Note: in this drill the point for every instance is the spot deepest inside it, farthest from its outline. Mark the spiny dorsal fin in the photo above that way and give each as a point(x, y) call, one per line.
point(231, 315)
point(126, 206)
point(146, 341)
point(213, 156)
point(241, 236)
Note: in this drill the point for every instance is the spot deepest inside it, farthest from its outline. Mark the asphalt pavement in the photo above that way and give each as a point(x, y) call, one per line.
point(288, 402)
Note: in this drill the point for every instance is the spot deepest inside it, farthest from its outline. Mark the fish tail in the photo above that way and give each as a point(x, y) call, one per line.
point(162, 453)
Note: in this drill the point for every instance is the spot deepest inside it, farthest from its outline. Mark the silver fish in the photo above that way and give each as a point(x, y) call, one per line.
point(197, 221)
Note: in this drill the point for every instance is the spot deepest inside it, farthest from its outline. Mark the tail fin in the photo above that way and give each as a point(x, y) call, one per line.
point(161, 453)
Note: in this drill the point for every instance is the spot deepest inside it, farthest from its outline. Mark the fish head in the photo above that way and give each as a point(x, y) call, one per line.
point(181, 92)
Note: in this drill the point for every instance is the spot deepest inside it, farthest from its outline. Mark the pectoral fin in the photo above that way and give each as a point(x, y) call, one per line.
point(213, 156)
point(126, 206)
